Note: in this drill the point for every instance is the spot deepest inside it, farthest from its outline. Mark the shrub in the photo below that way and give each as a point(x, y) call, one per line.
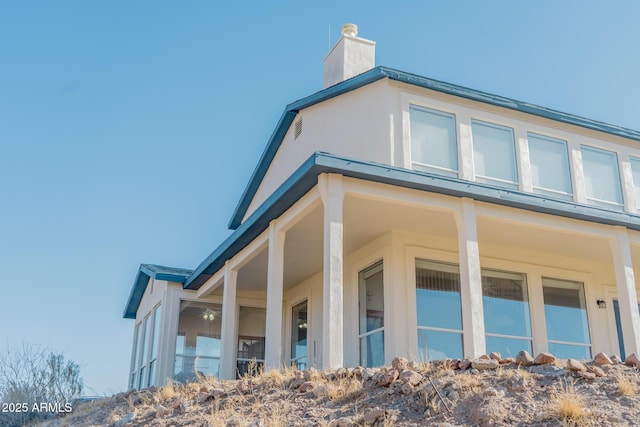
point(30, 375)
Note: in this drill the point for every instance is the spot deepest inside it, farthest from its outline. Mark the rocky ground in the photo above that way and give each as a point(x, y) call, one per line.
point(485, 391)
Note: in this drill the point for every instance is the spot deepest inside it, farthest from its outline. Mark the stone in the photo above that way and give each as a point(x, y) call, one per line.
point(399, 364)
point(310, 373)
point(632, 360)
point(217, 393)
point(484, 357)
point(495, 356)
point(341, 373)
point(602, 359)
point(320, 390)
point(386, 379)
point(507, 360)
point(523, 358)
point(359, 372)
point(204, 389)
point(203, 397)
point(298, 375)
point(616, 360)
point(406, 388)
point(544, 359)
point(596, 370)
point(306, 386)
point(243, 386)
point(162, 411)
point(464, 364)
point(374, 415)
point(127, 419)
point(588, 375)
point(574, 365)
point(411, 377)
point(484, 364)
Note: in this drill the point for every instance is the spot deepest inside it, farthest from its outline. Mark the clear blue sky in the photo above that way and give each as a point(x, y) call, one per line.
point(128, 129)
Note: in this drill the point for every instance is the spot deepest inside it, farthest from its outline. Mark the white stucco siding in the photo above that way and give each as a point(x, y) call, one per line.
point(358, 124)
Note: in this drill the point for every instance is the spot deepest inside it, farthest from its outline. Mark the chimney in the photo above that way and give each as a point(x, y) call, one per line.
point(350, 56)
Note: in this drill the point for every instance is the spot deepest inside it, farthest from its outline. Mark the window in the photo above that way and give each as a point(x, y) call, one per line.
point(439, 310)
point(635, 170)
point(433, 141)
point(494, 154)
point(371, 306)
point(198, 341)
point(299, 328)
point(252, 323)
point(146, 337)
point(134, 360)
point(602, 177)
point(565, 311)
point(507, 321)
point(550, 166)
point(155, 336)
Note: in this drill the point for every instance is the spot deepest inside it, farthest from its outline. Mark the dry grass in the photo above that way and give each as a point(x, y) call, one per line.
point(166, 393)
point(569, 407)
point(342, 389)
point(627, 387)
point(467, 383)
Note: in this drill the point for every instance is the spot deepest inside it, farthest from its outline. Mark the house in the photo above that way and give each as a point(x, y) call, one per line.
point(395, 215)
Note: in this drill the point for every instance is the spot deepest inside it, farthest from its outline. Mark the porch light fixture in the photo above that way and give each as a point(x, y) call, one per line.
point(302, 325)
point(601, 303)
point(209, 315)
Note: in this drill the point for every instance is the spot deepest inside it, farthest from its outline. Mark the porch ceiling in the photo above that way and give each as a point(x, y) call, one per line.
point(520, 239)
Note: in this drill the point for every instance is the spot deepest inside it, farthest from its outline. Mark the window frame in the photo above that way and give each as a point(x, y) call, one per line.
point(594, 201)
point(363, 275)
point(544, 190)
point(430, 168)
point(485, 179)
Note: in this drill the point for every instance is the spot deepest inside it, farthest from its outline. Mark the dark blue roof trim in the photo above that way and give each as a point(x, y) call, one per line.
point(306, 177)
point(145, 272)
point(383, 72)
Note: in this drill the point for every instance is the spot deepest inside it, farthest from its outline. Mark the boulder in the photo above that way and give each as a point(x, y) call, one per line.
point(387, 378)
point(162, 411)
point(495, 356)
point(484, 364)
point(399, 364)
point(596, 370)
point(602, 359)
point(203, 396)
point(632, 360)
point(374, 415)
point(465, 364)
point(588, 375)
point(411, 377)
point(306, 386)
point(544, 359)
point(523, 358)
point(507, 360)
point(616, 360)
point(574, 365)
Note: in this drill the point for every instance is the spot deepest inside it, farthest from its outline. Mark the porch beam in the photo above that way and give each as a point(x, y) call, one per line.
point(332, 193)
point(275, 277)
point(626, 285)
point(470, 280)
point(213, 283)
point(229, 324)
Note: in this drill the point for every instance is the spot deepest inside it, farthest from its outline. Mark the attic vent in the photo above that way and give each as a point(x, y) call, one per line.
point(297, 131)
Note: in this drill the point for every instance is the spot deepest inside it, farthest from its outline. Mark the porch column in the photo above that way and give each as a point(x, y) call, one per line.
point(275, 276)
point(626, 285)
point(470, 280)
point(229, 327)
point(332, 193)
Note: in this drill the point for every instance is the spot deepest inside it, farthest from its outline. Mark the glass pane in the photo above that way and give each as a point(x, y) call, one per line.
point(436, 345)
point(601, 174)
point(635, 169)
point(549, 163)
point(157, 321)
point(508, 347)
point(565, 311)
point(433, 139)
point(141, 379)
point(132, 382)
point(140, 344)
point(251, 348)
point(506, 303)
point(438, 295)
point(299, 329)
point(198, 340)
point(372, 350)
point(251, 333)
point(565, 351)
point(147, 337)
point(136, 351)
point(371, 298)
point(494, 152)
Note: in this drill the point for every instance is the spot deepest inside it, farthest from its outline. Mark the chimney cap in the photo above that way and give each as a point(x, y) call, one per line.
point(350, 30)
